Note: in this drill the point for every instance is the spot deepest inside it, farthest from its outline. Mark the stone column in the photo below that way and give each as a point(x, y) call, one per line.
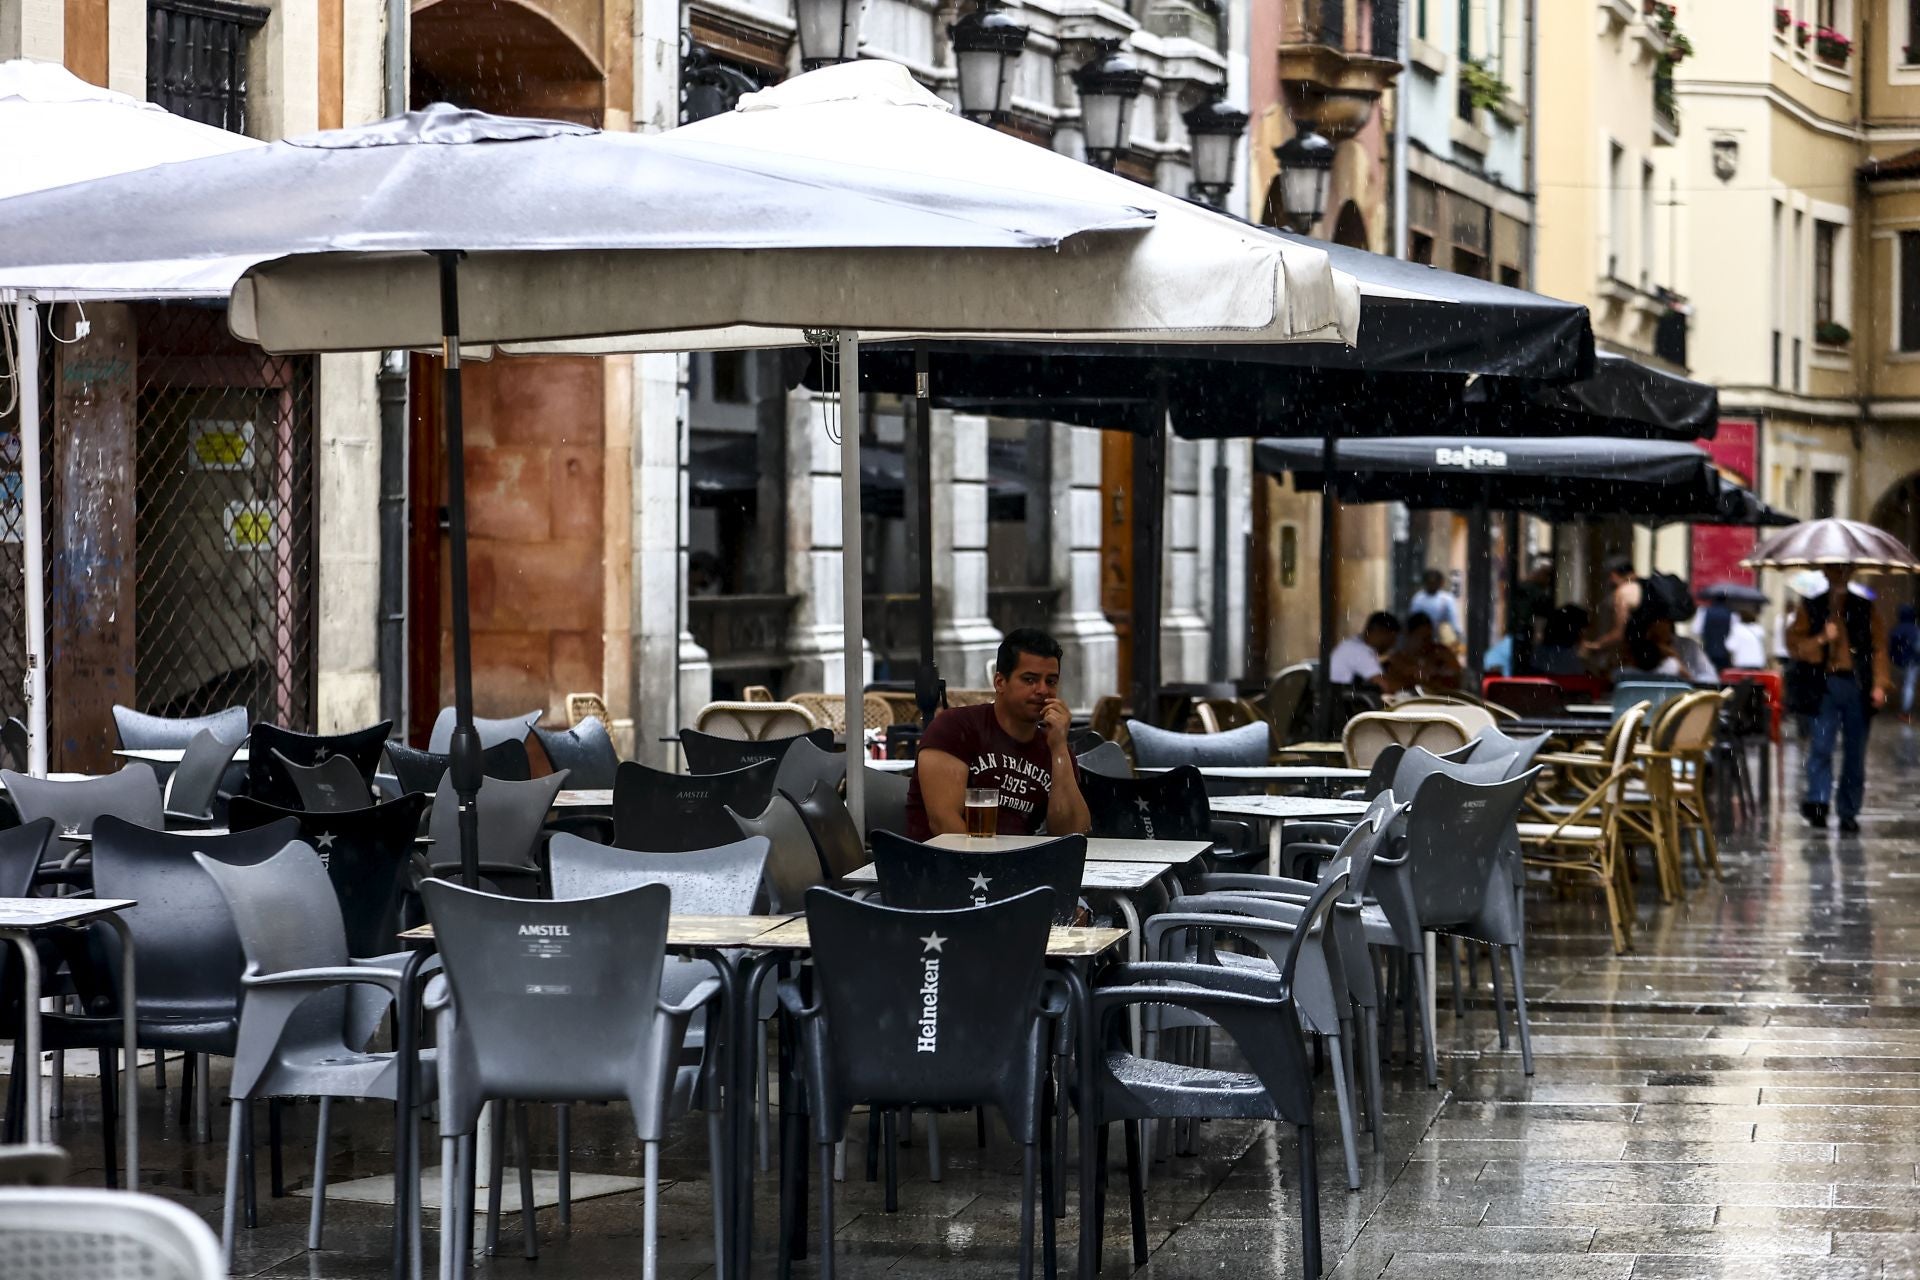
point(347, 554)
point(670, 674)
point(1239, 460)
point(964, 637)
point(1183, 629)
point(1090, 658)
point(815, 637)
point(34, 29)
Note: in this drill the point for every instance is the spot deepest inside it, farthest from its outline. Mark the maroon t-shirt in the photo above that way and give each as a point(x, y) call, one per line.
point(1023, 771)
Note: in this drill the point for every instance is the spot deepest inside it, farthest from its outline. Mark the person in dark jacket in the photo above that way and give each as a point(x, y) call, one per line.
point(1842, 635)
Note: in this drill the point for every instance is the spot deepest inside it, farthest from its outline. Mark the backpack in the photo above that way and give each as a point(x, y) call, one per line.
point(1664, 596)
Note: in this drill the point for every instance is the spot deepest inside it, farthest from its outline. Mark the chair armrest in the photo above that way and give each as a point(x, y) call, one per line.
point(1207, 977)
point(1225, 881)
point(1572, 759)
point(174, 817)
point(326, 976)
point(700, 995)
point(1245, 920)
point(1324, 830)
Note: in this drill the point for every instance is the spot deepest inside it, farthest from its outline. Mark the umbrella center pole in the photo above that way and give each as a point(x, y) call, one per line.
point(928, 688)
point(464, 767)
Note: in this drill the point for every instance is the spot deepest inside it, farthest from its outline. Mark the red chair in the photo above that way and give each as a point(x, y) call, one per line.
point(1771, 683)
point(1525, 696)
point(1584, 688)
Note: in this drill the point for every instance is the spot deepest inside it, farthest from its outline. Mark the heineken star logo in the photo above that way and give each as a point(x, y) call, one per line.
point(933, 942)
point(324, 840)
point(979, 884)
point(1140, 803)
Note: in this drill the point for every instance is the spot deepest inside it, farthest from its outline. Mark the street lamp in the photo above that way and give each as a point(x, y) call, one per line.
point(1306, 163)
point(987, 44)
point(829, 31)
point(1108, 84)
point(1214, 129)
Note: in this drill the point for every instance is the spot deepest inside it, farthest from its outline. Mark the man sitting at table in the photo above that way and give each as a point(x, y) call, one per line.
point(1357, 658)
point(1016, 744)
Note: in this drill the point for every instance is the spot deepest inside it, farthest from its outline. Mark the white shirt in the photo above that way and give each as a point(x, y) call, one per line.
point(1439, 606)
point(1353, 659)
point(1747, 646)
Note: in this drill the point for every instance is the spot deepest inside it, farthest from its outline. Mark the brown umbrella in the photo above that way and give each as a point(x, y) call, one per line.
point(1812, 544)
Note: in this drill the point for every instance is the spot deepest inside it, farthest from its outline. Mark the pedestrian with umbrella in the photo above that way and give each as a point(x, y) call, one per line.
point(1837, 670)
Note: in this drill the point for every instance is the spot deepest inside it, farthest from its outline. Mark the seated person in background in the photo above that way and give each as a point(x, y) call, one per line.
point(1016, 744)
point(1648, 652)
point(1357, 658)
point(1747, 643)
point(1697, 665)
point(1558, 653)
point(1421, 661)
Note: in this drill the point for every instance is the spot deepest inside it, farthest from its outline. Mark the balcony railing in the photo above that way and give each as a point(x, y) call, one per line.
point(1336, 24)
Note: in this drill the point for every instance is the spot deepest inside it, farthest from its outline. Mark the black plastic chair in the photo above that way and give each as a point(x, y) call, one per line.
point(806, 763)
point(924, 877)
point(927, 1008)
point(836, 840)
point(887, 800)
point(332, 786)
point(133, 794)
point(192, 795)
point(792, 865)
point(1155, 748)
point(709, 754)
point(674, 812)
point(1490, 743)
point(1256, 1010)
point(421, 771)
point(17, 743)
point(585, 751)
point(1166, 806)
point(367, 853)
point(269, 741)
point(139, 731)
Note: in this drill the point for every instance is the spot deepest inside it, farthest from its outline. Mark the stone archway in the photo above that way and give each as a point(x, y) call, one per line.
point(1898, 512)
point(1349, 228)
point(510, 57)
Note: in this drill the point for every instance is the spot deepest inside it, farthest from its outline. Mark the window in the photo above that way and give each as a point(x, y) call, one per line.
point(1616, 209)
point(1420, 17)
point(1421, 249)
point(1825, 236)
point(197, 59)
point(731, 379)
point(1912, 56)
point(1826, 492)
point(1646, 226)
point(1910, 290)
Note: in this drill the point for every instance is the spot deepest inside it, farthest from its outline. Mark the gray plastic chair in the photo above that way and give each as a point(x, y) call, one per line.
point(806, 763)
point(38, 1164)
point(1490, 742)
point(587, 977)
point(79, 1234)
point(193, 795)
point(310, 1011)
point(792, 866)
point(1250, 744)
point(142, 732)
point(132, 794)
point(332, 786)
point(1106, 760)
point(492, 732)
point(887, 800)
point(512, 816)
point(1655, 693)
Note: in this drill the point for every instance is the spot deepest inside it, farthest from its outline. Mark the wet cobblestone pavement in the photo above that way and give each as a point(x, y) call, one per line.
point(1739, 1097)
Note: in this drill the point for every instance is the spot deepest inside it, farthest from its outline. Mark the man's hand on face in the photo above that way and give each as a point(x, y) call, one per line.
point(1054, 722)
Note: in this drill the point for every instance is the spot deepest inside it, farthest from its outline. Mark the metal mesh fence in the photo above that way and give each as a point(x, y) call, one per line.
point(13, 641)
point(180, 532)
point(223, 524)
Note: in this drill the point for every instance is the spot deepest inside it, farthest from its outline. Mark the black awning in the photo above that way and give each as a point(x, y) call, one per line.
point(883, 481)
point(1566, 476)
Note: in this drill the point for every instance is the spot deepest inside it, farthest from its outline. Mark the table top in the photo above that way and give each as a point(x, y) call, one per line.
point(1590, 709)
point(588, 798)
point(1120, 877)
point(1285, 808)
point(86, 837)
point(36, 913)
point(168, 755)
point(1099, 848)
point(1272, 772)
point(682, 931)
point(1582, 725)
point(891, 766)
point(1062, 943)
point(1315, 749)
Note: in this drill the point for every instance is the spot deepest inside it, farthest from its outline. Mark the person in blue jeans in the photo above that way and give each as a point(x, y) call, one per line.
point(1840, 633)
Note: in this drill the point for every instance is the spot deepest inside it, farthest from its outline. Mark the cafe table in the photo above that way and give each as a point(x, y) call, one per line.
point(1318, 777)
point(1276, 811)
point(20, 920)
point(168, 755)
point(1099, 848)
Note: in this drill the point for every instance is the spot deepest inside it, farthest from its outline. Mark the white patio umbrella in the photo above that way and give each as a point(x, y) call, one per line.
point(56, 129)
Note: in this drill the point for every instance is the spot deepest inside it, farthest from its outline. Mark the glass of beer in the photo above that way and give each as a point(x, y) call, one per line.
point(983, 812)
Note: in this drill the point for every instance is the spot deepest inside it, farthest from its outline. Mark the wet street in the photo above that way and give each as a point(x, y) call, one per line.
point(1739, 1097)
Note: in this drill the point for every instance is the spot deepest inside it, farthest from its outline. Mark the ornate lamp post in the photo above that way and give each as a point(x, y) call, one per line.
point(829, 31)
point(1215, 130)
point(987, 44)
point(1109, 85)
point(1306, 165)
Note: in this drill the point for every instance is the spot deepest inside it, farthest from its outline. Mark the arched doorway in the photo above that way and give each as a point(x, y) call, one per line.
point(1898, 512)
point(1350, 229)
point(537, 464)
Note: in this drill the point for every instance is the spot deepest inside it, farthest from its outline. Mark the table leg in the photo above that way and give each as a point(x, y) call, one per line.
point(1273, 847)
point(743, 1065)
point(129, 1029)
point(723, 1029)
point(32, 1131)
